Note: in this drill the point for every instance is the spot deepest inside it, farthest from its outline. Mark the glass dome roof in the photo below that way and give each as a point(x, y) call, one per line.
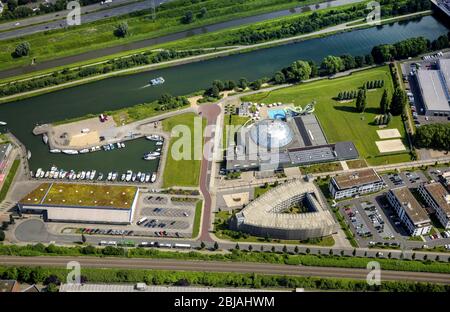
point(271, 133)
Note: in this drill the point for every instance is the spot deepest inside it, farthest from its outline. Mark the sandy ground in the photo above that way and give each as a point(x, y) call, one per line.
point(237, 199)
point(390, 146)
point(83, 139)
point(388, 134)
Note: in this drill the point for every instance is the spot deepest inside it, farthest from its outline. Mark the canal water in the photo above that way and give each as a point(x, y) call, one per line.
point(118, 92)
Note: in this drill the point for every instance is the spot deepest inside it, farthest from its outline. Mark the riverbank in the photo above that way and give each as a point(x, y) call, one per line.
point(232, 51)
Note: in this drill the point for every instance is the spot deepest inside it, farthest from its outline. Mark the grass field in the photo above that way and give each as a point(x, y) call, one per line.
point(184, 172)
point(86, 37)
point(340, 120)
point(229, 121)
point(197, 218)
point(9, 179)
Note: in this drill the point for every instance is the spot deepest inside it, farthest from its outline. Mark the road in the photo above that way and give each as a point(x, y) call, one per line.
point(47, 22)
point(216, 266)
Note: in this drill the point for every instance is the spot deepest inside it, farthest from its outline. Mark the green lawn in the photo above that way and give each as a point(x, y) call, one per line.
point(9, 179)
point(183, 172)
point(228, 122)
point(341, 121)
point(197, 219)
point(319, 168)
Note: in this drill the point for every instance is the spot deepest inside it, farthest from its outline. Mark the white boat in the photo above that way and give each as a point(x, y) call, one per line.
point(109, 176)
point(159, 143)
point(139, 175)
point(70, 152)
point(154, 154)
point(38, 172)
point(142, 178)
point(55, 151)
point(88, 175)
point(100, 176)
point(78, 176)
point(114, 176)
point(28, 154)
point(123, 144)
point(147, 177)
point(129, 176)
point(42, 174)
point(153, 137)
point(147, 157)
point(157, 81)
point(153, 179)
point(93, 173)
point(83, 175)
point(2, 123)
point(47, 174)
point(122, 178)
point(133, 178)
point(45, 138)
point(84, 151)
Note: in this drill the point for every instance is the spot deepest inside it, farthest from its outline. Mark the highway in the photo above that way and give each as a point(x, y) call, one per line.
point(85, 18)
point(216, 266)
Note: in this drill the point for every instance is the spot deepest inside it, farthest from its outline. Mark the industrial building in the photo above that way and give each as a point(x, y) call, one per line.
point(355, 183)
point(437, 198)
point(434, 88)
point(269, 215)
point(273, 144)
point(82, 203)
point(409, 210)
point(442, 6)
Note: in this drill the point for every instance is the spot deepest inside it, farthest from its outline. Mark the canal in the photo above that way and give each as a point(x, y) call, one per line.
point(118, 92)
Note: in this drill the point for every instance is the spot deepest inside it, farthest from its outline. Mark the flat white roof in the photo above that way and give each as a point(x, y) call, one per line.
point(432, 88)
point(444, 66)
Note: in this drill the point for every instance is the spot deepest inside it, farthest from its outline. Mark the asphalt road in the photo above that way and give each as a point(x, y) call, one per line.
point(215, 266)
point(38, 19)
point(85, 18)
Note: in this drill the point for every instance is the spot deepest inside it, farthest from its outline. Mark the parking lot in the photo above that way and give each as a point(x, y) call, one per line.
point(409, 179)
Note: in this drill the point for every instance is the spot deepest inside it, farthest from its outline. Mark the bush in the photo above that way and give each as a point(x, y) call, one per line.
point(121, 30)
point(2, 235)
point(22, 49)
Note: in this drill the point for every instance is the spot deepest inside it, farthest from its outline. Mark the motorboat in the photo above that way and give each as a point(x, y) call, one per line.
point(114, 176)
point(47, 174)
point(133, 178)
point(88, 175)
point(129, 176)
point(153, 179)
point(100, 176)
point(147, 177)
point(55, 151)
point(139, 175)
point(45, 138)
point(109, 176)
point(157, 81)
point(154, 154)
point(148, 157)
point(142, 179)
point(84, 151)
point(70, 152)
point(2, 123)
point(122, 178)
point(93, 173)
point(153, 137)
point(83, 175)
point(159, 143)
point(78, 176)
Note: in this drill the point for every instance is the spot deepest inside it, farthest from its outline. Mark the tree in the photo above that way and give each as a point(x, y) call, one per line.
point(219, 84)
point(284, 249)
point(202, 245)
point(361, 101)
point(188, 17)
point(398, 102)
point(383, 53)
point(243, 83)
point(230, 85)
point(22, 49)
point(256, 85)
point(237, 246)
point(216, 246)
point(332, 64)
point(2, 235)
point(354, 252)
point(308, 250)
point(273, 249)
point(250, 247)
point(51, 288)
point(296, 249)
point(279, 78)
point(348, 61)
point(83, 238)
point(203, 12)
point(384, 103)
point(121, 30)
point(301, 70)
point(314, 69)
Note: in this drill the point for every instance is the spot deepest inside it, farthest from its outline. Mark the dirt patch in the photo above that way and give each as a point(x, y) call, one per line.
point(389, 146)
point(237, 199)
point(388, 134)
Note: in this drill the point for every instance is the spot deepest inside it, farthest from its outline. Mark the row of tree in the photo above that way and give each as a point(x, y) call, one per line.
point(374, 84)
point(316, 21)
